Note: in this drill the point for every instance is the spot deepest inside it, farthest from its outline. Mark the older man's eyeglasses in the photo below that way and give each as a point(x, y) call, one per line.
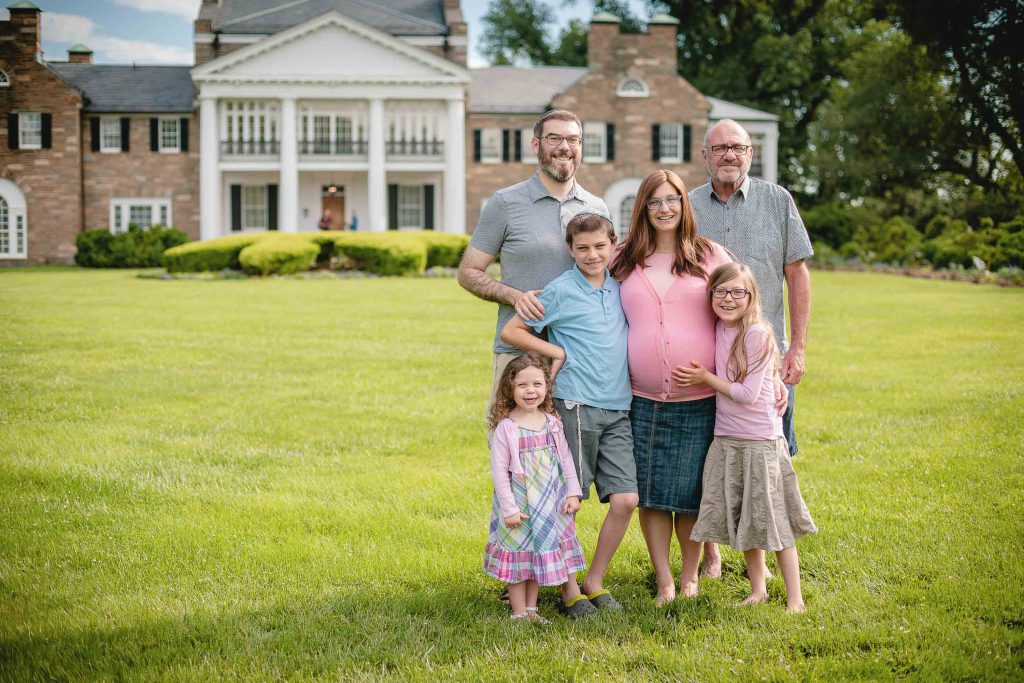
point(671, 201)
point(736, 294)
point(557, 140)
point(722, 150)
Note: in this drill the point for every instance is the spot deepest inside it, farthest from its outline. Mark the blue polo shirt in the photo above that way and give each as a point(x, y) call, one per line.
point(588, 322)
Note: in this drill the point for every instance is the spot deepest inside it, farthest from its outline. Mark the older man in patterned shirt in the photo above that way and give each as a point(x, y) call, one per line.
point(760, 224)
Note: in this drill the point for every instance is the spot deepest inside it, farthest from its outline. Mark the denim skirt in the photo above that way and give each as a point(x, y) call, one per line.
point(670, 444)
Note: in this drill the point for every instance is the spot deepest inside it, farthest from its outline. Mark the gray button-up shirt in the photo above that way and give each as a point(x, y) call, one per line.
point(525, 227)
point(761, 226)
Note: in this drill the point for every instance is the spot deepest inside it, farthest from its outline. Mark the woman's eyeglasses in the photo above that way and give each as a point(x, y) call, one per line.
point(672, 201)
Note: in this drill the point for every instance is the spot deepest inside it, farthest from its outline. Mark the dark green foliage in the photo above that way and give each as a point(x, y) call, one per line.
point(895, 241)
point(383, 253)
point(444, 249)
point(834, 223)
point(216, 254)
point(135, 248)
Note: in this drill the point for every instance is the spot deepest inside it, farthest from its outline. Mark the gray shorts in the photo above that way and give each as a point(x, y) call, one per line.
point(607, 445)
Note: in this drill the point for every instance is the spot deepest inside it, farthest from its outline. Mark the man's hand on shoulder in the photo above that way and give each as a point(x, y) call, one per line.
point(528, 306)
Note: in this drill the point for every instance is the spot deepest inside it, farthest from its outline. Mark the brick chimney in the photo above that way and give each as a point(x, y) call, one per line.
point(456, 46)
point(79, 54)
point(25, 27)
point(604, 31)
point(662, 32)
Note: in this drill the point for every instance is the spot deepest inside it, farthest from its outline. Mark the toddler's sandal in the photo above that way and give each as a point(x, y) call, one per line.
point(577, 608)
point(534, 616)
point(603, 599)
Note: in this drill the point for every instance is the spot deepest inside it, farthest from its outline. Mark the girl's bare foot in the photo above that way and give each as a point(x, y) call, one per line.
point(688, 589)
point(665, 596)
point(754, 599)
point(796, 608)
point(712, 565)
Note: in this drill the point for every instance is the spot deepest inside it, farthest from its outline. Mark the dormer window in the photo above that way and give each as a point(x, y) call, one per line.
point(632, 87)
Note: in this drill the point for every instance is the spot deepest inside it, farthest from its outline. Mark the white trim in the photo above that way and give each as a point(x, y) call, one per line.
point(16, 211)
point(491, 137)
point(21, 130)
point(212, 71)
point(168, 149)
point(644, 91)
point(614, 195)
point(595, 130)
point(116, 149)
point(121, 210)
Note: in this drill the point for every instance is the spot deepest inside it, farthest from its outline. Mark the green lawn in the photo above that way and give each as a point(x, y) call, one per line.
point(288, 479)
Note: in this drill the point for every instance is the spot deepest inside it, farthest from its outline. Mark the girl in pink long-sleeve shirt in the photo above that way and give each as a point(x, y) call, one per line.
point(532, 540)
point(751, 496)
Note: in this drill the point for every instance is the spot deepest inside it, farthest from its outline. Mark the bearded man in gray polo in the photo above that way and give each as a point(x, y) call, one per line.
point(759, 223)
point(525, 224)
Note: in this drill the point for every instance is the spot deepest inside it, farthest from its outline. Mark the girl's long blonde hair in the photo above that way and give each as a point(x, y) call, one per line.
point(738, 366)
point(503, 401)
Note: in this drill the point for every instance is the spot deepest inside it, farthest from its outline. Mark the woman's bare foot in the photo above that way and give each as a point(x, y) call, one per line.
point(665, 596)
point(796, 608)
point(688, 589)
point(712, 565)
point(754, 599)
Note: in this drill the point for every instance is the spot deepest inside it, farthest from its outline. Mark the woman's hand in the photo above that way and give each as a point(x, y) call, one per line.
point(692, 376)
point(572, 505)
point(516, 520)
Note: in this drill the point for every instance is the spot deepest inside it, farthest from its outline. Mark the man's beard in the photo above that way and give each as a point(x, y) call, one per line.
point(554, 172)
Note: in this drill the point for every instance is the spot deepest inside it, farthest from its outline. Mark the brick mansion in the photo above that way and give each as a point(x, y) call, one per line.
point(363, 109)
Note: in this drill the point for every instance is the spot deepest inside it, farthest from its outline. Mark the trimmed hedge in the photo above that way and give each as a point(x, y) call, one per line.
point(135, 248)
point(215, 254)
point(279, 255)
point(382, 253)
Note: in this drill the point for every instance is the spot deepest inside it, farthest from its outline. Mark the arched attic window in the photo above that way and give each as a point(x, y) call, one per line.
point(632, 87)
point(5, 82)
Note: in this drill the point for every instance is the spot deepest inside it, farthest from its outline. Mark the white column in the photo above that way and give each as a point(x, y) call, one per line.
point(454, 214)
point(377, 190)
point(209, 170)
point(288, 193)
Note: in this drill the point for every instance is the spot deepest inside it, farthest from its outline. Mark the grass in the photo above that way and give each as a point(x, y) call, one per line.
point(270, 479)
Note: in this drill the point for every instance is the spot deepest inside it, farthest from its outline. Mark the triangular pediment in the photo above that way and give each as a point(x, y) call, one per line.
point(331, 48)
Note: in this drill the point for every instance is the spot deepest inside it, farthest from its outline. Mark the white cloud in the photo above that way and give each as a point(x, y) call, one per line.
point(72, 28)
point(66, 28)
point(182, 8)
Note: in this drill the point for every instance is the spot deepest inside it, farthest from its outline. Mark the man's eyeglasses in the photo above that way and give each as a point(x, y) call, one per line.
point(671, 201)
point(736, 294)
point(557, 140)
point(738, 150)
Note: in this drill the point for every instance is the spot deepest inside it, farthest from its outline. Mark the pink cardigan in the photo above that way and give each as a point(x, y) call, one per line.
point(505, 461)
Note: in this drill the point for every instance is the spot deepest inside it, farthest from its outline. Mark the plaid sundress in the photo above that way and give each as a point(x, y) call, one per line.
point(544, 548)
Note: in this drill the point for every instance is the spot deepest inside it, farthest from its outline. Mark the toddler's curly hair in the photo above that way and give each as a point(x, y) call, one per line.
point(503, 401)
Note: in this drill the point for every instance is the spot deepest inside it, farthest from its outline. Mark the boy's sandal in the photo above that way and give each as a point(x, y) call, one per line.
point(602, 599)
point(577, 608)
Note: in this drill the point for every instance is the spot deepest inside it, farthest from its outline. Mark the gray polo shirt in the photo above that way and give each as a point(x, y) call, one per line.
point(761, 226)
point(525, 227)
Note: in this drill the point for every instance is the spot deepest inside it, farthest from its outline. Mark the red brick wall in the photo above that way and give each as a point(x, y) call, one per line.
point(613, 56)
point(51, 178)
point(142, 173)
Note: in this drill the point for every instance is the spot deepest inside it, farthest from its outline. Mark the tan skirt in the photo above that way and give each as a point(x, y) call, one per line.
point(751, 496)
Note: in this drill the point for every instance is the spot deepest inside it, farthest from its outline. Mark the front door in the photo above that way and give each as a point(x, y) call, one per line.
point(336, 205)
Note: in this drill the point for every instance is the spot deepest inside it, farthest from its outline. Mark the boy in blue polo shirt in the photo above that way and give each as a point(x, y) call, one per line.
point(587, 331)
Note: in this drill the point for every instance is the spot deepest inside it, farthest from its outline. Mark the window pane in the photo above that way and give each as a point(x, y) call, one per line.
point(490, 144)
point(168, 133)
point(344, 129)
point(164, 209)
point(141, 215)
point(110, 134)
point(526, 151)
point(30, 129)
point(410, 206)
point(117, 218)
point(625, 214)
point(4, 229)
point(593, 141)
point(670, 141)
point(254, 206)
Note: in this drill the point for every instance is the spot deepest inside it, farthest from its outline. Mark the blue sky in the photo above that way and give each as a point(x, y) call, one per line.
point(160, 31)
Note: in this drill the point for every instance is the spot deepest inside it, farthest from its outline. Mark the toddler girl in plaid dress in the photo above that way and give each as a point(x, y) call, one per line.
point(532, 540)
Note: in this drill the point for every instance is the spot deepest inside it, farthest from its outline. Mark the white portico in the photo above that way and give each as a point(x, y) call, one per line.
point(333, 115)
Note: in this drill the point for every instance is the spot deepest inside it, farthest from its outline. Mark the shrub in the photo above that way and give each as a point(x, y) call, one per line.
point(215, 254)
point(894, 241)
point(443, 249)
point(135, 248)
point(382, 253)
point(961, 248)
point(279, 255)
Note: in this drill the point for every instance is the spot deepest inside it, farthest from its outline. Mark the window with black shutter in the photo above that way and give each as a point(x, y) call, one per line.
point(236, 208)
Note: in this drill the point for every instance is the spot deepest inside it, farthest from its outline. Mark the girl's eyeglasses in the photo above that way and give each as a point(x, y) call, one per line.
point(736, 294)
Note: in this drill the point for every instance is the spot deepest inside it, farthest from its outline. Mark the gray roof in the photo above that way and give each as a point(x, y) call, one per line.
point(720, 109)
point(514, 90)
point(126, 88)
point(397, 17)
